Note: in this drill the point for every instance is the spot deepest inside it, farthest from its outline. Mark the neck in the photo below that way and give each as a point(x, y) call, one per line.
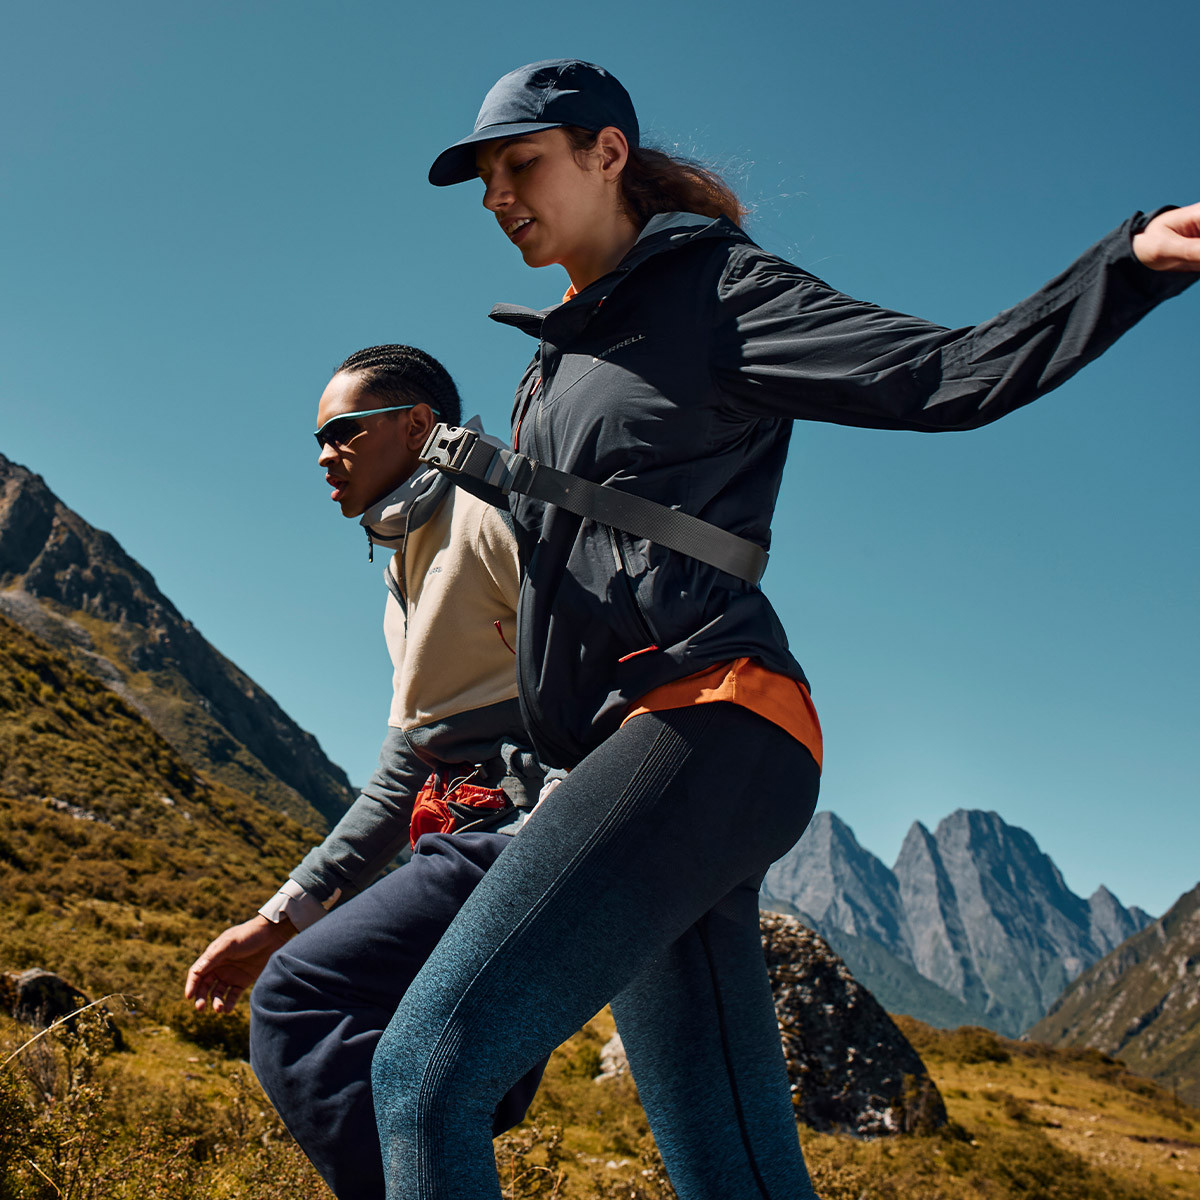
point(608, 248)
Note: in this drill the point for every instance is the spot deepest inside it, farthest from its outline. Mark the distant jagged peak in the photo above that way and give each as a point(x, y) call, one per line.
point(1104, 897)
point(844, 886)
point(826, 826)
point(826, 821)
point(984, 827)
point(918, 844)
point(919, 865)
point(984, 842)
point(1111, 922)
point(831, 838)
point(976, 906)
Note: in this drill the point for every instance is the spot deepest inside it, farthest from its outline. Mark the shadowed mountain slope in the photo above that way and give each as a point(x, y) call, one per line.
point(73, 586)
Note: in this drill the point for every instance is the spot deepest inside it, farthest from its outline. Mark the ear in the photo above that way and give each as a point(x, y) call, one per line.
point(421, 421)
point(612, 149)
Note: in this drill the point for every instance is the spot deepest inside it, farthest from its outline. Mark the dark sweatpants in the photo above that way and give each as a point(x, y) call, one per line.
point(323, 1001)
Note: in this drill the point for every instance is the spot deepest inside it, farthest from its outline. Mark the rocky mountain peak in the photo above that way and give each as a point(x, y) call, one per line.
point(975, 908)
point(53, 553)
point(830, 877)
point(1111, 921)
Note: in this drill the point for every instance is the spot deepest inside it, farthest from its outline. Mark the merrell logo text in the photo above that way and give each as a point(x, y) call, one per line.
point(629, 341)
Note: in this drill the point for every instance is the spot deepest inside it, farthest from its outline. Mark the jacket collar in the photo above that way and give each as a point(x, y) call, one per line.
point(662, 233)
point(670, 231)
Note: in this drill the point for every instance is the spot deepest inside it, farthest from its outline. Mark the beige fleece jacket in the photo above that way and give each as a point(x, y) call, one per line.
point(459, 576)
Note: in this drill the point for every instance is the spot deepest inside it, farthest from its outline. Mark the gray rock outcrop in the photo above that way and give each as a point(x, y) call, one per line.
point(38, 997)
point(851, 1069)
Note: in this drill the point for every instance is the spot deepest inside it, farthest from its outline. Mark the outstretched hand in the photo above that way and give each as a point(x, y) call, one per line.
point(233, 961)
point(1171, 242)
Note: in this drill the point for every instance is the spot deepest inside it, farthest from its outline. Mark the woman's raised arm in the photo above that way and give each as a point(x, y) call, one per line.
point(787, 345)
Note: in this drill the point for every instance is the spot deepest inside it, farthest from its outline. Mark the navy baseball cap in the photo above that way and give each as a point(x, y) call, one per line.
point(542, 95)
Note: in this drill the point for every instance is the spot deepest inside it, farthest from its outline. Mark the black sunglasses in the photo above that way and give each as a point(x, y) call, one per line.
point(337, 431)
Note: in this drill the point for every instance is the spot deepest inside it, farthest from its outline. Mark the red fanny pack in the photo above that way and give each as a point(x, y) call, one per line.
point(432, 812)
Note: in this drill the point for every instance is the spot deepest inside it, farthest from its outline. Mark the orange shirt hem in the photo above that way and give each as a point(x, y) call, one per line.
point(777, 698)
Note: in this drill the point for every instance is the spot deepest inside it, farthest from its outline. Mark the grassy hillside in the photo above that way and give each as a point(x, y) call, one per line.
point(170, 1119)
point(157, 689)
point(72, 585)
point(1025, 1121)
point(118, 863)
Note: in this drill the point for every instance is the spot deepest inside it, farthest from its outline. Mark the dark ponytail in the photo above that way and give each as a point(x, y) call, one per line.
point(406, 375)
point(656, 182)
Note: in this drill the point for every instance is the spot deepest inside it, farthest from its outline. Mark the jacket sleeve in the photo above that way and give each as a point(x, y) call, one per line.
point(374, 829)
point(787, 345)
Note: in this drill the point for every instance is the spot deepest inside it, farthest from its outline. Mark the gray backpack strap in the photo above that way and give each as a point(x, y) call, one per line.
point(462, 452)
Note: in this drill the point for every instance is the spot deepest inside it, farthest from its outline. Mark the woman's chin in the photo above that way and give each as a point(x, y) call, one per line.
point(534, 258)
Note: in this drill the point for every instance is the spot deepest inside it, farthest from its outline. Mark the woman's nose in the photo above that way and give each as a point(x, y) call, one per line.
point(496, 195)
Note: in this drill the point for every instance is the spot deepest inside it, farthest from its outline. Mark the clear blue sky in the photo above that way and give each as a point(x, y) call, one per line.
point(203, 208)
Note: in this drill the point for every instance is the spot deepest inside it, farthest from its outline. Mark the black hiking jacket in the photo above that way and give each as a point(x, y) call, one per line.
point(677, 377)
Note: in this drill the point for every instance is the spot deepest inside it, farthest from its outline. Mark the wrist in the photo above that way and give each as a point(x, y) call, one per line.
point(293, 905)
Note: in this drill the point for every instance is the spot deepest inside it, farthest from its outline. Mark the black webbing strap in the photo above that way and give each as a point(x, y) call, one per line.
point(458, 451)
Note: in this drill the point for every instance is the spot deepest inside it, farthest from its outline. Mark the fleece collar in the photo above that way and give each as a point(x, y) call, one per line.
point(390, 520)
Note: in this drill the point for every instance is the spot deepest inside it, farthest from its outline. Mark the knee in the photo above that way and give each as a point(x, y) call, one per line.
point(289, 1016)
point(398, 1079)
point(417, 1079)
point(280, 992)
point(272, 998)
point(272, 987)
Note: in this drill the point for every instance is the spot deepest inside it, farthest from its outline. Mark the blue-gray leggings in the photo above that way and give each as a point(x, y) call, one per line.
point(636, 882)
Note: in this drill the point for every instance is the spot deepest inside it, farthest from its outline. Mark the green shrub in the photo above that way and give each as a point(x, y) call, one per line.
point(229, 1033)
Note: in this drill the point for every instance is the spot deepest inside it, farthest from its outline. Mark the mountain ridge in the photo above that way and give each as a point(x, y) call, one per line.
point(75, 587)
point(1141, 1002)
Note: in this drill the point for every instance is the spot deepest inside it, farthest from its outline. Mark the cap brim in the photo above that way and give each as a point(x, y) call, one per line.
point(457, 163)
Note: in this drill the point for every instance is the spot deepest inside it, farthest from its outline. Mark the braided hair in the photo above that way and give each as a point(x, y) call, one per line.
point(406, 375)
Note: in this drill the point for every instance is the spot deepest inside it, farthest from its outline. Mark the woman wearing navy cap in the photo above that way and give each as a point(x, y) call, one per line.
point(673, 370)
